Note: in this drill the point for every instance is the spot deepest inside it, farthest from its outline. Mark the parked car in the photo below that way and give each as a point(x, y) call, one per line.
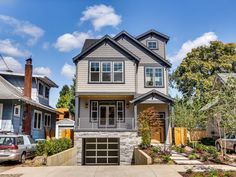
point(16, 147)
point(229, 141)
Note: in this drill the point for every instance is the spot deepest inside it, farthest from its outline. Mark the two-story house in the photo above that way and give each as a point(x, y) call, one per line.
point(116, 79)
point(24, 103)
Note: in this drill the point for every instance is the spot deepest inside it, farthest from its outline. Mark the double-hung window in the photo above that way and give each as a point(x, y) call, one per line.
point(94, 110)
point(37, 119)
point(118, 71)
point(154, 77)
point(94, 71)
point(47, 120)
point(106, 72)
point(40, 88)
point(120, 110)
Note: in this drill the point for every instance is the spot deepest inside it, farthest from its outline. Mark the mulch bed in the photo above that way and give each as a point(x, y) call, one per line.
point(10, 175)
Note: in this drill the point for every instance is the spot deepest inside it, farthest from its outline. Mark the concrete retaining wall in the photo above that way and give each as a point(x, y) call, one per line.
point(65, 158)
point(141, 158)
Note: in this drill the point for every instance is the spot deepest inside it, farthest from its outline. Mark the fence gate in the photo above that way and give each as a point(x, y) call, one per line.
point(180, 135)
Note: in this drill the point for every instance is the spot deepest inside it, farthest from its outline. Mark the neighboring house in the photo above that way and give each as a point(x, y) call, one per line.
point(219, 81)
point(116, 79)
point(24, 103)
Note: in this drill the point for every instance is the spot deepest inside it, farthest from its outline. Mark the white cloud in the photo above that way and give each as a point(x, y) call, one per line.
point(23, 28)
point(101, 16)
point(12, 63)
point(42, 71)
point(70, 41)
point(68, 71)
point(205, 39)
point(11, 49)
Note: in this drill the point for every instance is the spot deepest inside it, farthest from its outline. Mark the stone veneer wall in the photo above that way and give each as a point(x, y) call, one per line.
point(128, 141)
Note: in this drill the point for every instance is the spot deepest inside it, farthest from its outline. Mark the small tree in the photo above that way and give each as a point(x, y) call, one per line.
point(148, 119)
point(72, 100)
point(65, 97)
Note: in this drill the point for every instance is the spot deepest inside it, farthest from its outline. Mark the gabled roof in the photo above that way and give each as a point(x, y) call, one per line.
point(65, 121)
point(160, 58)
point(152, 94)
point(43, 78)
point(152, 31)
point(88, 43)
point(103, 39)
point(9, 91)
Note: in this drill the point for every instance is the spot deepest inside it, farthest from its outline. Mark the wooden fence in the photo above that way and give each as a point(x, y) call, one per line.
point(182, 135)
point(68, 133)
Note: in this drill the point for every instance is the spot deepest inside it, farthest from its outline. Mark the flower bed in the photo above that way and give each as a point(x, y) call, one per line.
point(158, 155)
point(205, 154)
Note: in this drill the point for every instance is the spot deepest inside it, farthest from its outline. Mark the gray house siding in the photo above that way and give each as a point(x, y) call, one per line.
point(160, 42)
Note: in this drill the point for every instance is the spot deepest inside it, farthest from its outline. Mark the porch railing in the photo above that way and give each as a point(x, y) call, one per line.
point(127, 124)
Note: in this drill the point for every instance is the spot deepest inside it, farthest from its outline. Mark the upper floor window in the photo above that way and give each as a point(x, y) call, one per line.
point(46, 93)
point(106, 71)
point(40, 88)
point(154, 77)
point(152, 44)
point(43, 90)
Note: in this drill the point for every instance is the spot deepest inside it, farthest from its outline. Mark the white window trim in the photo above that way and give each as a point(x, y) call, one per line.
point(50, 122)
point(99, 72)
point(91, 111)
point(154, 86)
point(1, 111)
point(123, 110)
point(155, 41)
point(38, 112)
point(110, 62)
point(19, 108)
point(118, 71)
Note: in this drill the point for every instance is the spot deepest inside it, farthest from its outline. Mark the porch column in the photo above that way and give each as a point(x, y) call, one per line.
point(168, 126)
point(135, 117)
point(77, 106)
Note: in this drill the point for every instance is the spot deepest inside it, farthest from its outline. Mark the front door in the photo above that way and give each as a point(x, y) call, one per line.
point(107, 116)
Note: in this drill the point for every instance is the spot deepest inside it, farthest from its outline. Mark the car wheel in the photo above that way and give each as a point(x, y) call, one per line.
point(218, 146)
point(23, 157)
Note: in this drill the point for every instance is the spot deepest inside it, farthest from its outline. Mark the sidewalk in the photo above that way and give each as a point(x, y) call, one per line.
point(107, 171)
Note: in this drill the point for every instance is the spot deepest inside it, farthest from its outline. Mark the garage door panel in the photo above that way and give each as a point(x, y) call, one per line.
point(101, 151)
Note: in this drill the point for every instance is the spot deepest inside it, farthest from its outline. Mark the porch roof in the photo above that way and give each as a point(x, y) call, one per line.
point(152, 94)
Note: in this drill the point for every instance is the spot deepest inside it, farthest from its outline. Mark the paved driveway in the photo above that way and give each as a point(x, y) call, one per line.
point(105, 171)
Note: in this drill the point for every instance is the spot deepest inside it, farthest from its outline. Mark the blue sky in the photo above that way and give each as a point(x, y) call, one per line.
point(53, 31)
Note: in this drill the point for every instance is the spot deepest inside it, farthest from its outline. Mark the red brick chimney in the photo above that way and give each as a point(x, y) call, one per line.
point(26, 127)
point(28, 78)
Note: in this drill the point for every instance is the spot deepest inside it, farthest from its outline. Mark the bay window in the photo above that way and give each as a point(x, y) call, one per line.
point(154, 77)
point(106, 72)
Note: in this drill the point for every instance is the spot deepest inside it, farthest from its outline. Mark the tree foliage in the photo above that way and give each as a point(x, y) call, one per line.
point(65, 97)
point(196, 73)
point(72, 100)
point(225, 109)
point(147, 119)
point(187, 114)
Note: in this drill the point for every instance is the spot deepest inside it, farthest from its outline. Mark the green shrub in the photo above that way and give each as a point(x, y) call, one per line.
point(53, 146)
point(156, 149)
point(146, 138)
point(193, 156)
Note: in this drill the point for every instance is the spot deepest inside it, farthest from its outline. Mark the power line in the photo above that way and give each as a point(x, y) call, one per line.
point(8, 69)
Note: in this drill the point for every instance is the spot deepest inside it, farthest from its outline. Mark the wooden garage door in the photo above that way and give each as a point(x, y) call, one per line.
point(101, 151)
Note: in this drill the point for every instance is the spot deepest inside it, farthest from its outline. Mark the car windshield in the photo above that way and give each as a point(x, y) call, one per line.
point(7, 141)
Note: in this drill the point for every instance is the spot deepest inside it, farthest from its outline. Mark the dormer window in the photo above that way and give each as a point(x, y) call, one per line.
point(40, 88)
point(152, 44)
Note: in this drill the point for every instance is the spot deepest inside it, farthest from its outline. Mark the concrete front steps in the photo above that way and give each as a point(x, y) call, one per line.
point(181, 159)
